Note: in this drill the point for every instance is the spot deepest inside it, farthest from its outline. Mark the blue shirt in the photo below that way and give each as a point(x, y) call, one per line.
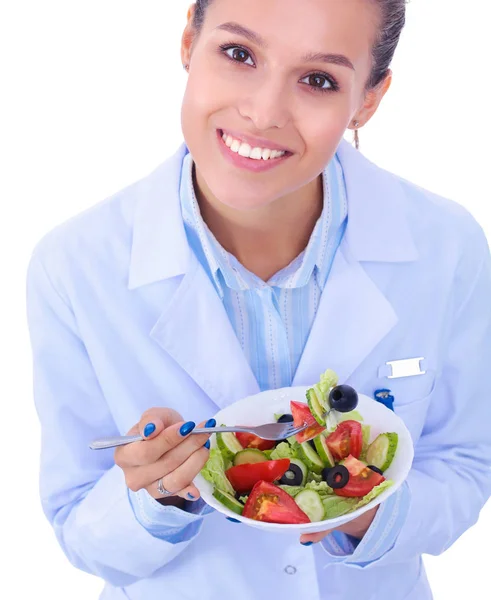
point(272, 320)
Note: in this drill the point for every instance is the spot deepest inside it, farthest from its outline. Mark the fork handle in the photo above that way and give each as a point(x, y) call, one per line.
point(122, 440)
point(211, 430)
point(112, 442)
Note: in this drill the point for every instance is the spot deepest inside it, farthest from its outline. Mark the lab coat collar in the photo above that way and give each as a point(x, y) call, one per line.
point(377, 229)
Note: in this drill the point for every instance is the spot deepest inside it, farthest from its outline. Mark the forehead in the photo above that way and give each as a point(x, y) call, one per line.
point(298, 27)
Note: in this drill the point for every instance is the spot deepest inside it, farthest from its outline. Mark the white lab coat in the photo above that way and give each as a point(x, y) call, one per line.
point(122, 317)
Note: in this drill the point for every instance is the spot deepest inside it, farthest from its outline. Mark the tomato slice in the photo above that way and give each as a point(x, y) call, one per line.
point(244, 477)
point(361, 479)
point(269, 503)
point(346, 439)
point(301, 415)
point(249, 440)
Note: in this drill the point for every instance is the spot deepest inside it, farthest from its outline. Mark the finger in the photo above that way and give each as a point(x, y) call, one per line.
point(149, 451)
point(151, 424)
point(313, 538)
point(191, 493)
point(181, 478)
point(172, 459)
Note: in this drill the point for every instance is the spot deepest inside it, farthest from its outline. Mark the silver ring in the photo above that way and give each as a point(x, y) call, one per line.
point(161, 489)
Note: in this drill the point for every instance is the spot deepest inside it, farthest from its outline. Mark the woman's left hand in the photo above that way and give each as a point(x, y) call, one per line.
point(357, 528)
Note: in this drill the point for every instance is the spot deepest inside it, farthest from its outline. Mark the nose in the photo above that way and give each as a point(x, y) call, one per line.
point(267, 106)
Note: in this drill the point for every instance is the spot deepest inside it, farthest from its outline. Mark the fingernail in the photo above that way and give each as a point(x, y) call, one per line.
point(187, 428)
point(211, 423)
point(191, 497)
point(207, 444)
point(149, 429)
point(233, 520)
point(306, 543)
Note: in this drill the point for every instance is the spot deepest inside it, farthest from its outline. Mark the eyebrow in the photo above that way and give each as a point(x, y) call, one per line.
point(335, 59)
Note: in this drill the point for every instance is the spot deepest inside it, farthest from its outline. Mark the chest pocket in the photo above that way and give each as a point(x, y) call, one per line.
point(411, 383)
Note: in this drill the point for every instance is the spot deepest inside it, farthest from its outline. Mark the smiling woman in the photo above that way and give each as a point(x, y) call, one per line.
point(265, 250)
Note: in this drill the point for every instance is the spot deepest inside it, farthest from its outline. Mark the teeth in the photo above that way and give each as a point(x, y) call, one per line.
point(245, 150)
point(256, 154)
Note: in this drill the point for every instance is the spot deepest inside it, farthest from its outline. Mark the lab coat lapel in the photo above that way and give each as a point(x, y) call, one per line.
point(352, 318)
point(354, 315)
point(196, 331)
point(193, 326)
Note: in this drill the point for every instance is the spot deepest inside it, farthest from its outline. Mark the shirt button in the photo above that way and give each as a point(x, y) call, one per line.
point(290, 570)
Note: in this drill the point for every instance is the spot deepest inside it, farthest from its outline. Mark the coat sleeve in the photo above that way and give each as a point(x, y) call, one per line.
point(83, 493)
point(450, 480)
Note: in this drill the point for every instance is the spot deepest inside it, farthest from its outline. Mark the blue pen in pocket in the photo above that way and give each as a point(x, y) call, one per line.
point(384, 397)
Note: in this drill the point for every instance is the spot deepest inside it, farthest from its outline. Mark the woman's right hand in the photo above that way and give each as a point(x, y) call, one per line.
point(168, 452)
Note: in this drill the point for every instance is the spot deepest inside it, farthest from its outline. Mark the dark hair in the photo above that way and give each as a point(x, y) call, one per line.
point(393, 19)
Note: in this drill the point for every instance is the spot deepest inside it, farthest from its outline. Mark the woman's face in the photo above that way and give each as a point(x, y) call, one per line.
point(262, 79)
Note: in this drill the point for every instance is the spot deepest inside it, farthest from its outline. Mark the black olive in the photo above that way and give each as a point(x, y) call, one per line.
point(376, 469)
point(343, 398)
point(294, 476)
point(336, 477)
point(285, 419)
point(312, 443)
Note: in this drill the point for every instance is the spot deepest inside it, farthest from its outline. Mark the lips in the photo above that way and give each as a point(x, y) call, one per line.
point(246, 155)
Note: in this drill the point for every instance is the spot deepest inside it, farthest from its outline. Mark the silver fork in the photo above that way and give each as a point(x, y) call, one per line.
point(269, 431)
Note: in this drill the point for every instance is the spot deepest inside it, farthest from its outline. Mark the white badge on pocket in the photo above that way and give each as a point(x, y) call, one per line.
point(406, 367)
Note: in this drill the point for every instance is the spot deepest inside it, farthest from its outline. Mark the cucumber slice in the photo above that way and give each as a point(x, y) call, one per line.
point(311, 458)
point(315, 406)
point(249, 456)
point(311, 504)
point(382, 450)
point(228, 444)
point(229, 501)
point(323, 451)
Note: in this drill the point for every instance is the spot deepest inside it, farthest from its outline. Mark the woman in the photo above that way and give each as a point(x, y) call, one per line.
point(265, 251)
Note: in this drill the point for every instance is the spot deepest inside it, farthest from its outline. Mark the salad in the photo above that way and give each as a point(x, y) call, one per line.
point(326, 471)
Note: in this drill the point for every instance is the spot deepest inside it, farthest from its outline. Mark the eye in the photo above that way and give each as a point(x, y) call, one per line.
point(238, 54)
point(320, 82)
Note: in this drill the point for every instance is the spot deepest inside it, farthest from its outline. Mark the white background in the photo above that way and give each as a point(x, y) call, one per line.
point(90, 103)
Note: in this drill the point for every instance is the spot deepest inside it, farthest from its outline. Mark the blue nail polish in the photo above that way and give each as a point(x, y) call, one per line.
point(187, 428)
point(306, 543)
point(191, 497)
point(149, 429)
point(211, 423)
point(233, 520)
point(207, 444)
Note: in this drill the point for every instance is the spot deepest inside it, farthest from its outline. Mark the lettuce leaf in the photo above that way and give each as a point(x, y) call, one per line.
point(214, 472)
point(378, 489)
point(314, 477)
point(336, 506)
point(292, 490)
point(283, 450)
point(320, 487)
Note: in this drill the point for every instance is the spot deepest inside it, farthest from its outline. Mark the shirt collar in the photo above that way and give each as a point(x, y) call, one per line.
point(226, 269)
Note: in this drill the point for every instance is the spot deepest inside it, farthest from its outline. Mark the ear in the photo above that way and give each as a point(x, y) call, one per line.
point(188, 36)
point(372, 101)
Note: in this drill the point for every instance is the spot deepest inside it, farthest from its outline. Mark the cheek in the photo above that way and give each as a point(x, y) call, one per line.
point(322, 130)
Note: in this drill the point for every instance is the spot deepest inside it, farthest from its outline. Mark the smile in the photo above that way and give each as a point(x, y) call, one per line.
point(247, 151)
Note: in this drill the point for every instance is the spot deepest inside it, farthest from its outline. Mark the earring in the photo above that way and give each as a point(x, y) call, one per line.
point(186, 67)
point(357, 137)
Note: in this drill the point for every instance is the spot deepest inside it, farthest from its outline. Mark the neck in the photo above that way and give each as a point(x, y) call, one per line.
point(267, 239)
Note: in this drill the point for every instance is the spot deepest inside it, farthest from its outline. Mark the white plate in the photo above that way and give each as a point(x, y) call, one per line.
point(260, 409)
